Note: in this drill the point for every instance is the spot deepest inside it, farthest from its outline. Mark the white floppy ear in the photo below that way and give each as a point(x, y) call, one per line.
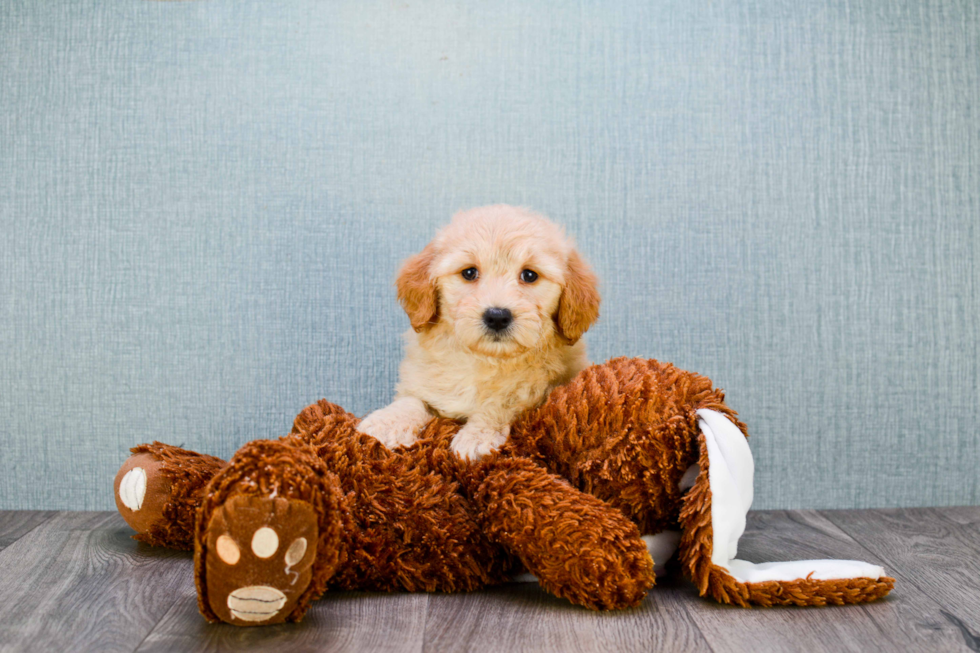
point(417, 289)
point(730, 477)
point(578, 306)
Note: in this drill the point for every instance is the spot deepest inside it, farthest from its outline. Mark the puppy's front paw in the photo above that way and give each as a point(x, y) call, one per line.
point(396, 425)
point(474, 441)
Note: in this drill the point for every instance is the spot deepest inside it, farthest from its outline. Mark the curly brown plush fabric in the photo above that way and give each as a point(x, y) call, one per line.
point(567, 498)
point(625, 432)
point(412, 526)
point(578, 546)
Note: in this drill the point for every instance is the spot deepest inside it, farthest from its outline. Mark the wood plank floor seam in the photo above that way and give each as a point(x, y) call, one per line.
point(149, 632)
point(8, 537)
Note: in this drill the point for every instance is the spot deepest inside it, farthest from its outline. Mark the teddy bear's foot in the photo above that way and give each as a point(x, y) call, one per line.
point(268, 535)
point(158, 490)
point(264, 550)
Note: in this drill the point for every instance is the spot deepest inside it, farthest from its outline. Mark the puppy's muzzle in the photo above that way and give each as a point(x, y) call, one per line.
point(497, 319)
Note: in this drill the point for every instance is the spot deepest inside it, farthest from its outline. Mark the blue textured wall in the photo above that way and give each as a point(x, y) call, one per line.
point(203, 206)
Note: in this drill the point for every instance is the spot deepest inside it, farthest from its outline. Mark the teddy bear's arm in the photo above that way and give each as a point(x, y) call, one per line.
point(577, 546)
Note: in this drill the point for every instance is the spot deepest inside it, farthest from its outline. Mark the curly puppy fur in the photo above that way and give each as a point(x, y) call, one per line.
point(464, 361)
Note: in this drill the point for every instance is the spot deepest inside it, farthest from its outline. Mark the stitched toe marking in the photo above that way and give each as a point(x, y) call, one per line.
point(256, 602)
point(132, 489)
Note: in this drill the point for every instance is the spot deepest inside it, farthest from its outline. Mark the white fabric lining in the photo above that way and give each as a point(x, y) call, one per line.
point(661, 548)
point(524, 577)
point(730, 475)
point(689, 478)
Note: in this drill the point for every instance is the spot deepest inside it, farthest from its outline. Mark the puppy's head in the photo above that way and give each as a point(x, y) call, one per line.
point(503, 279)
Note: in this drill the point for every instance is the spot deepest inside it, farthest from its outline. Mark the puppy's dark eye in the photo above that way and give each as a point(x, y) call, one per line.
point(470, 274)
point(529, 276)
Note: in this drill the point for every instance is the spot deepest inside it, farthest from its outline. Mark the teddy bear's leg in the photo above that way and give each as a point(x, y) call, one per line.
point(158, 490)
point(577, 546)
point(624, 432)
point(713, 520)
point(268, 534)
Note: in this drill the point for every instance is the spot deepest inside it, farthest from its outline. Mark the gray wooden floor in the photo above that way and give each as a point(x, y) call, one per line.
point(74, 581)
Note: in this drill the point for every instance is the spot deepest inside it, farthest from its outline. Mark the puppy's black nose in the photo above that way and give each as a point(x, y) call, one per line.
point(497, 319)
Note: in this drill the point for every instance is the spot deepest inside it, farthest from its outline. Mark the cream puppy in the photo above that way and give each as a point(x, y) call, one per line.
point(498, 302)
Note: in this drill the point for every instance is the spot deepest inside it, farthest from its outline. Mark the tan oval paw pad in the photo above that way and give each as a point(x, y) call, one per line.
point(296, 551)
point(228, 550)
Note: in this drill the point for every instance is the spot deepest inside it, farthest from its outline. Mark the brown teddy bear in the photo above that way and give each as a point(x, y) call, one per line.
point(630, 458)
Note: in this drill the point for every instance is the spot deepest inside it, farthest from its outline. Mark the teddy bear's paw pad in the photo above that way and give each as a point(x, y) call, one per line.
point(261, 558)
point(142, 491)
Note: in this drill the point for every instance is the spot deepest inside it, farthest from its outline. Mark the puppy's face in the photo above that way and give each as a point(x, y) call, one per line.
point(499, 290)
point(504, 280)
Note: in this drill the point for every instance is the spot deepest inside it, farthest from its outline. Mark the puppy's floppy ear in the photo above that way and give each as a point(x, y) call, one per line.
point(578, 306)
point(417, 289)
